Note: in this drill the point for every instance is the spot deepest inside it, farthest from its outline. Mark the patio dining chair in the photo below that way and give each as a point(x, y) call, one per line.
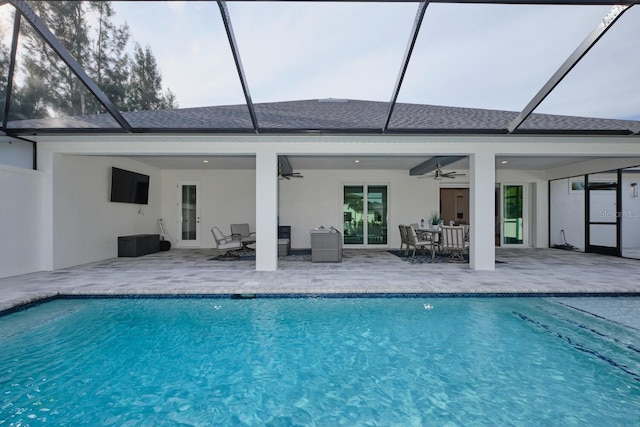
point(453, 241)
point(418, 241)
point(466, 231)
point(404, 239)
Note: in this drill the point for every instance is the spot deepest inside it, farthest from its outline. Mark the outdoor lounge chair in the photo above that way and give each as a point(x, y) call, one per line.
point(247, 237)
point(223, 242)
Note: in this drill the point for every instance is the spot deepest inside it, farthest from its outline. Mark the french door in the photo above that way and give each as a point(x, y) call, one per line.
point(188, 214)
point(514, 224)
point(365, 212)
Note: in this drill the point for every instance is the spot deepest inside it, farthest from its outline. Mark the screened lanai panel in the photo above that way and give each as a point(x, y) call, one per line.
point(46, 93)
point(327, 51)
point(491, 57)
point(186, 45)
point(6, 34)
point(604, 84)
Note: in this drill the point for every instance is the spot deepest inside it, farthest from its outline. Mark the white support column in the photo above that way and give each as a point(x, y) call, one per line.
point(46, 165)
point(266, 210)
point(482, 253)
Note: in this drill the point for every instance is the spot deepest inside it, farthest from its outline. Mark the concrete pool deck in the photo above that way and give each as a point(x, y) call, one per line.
point(191, 271)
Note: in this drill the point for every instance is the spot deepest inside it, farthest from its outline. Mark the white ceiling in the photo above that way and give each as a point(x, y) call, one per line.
point(349, 162)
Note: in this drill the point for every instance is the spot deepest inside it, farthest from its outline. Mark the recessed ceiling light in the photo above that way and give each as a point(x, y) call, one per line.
point(504, 162)
point(356, 161)
point(205, 161)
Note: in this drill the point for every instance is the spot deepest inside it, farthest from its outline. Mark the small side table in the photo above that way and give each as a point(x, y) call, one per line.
point(284, 246)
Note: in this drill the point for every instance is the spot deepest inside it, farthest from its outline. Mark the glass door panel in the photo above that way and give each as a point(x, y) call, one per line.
point(365, 214)
point(602, 235)
point(513, 231)
point(603, 215)
point(189, 215)
point(629, 220)
point(377, 214)
point(353, 212)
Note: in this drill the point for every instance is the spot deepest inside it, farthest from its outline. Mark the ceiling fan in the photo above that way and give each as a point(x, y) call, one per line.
point(438, 174)
point(288, 175)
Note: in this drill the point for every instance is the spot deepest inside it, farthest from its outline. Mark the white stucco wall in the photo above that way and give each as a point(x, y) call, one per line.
point(316, 200)
point(567, 213)
point(86, 225)
point(226, 197)
point(16, 153)
point(537, 202)
point(20, 221)
point(84, 214)
point(630, 212)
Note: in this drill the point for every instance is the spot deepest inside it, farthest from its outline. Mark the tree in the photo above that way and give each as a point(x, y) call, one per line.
point(50, 88)
point(110, 62)
point(64, 93)
point(4, 70)
point(145, 83)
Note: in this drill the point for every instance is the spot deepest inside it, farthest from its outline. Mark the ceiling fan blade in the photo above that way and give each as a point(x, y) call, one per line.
point(291, 175)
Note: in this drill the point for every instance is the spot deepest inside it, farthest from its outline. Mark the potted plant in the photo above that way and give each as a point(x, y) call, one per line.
point(434, 219)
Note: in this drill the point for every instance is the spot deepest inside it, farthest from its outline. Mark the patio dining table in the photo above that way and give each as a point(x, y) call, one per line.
point(432, 234)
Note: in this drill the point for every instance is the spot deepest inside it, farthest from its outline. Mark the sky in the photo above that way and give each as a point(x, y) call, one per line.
point(466, 55)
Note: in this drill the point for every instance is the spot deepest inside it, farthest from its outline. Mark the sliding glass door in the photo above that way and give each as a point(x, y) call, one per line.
point(365, 214)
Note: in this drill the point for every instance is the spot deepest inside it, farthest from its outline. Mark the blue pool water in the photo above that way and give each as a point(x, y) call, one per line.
point(316, 362)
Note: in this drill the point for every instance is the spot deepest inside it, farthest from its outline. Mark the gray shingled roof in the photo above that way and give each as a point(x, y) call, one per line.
point(352, 115)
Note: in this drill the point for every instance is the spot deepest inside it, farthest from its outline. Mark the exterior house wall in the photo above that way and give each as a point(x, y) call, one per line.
point(316, 200)
point(567, 213)
point(630, 212)
point(86, 225)
point(17, 153)
point(226, 197)
point(538, 201)
point(76, 213)
point(567, 207)
point(20, 221)
point(592, 166)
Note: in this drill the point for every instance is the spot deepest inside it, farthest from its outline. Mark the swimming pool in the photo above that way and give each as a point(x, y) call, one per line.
point(316, 362)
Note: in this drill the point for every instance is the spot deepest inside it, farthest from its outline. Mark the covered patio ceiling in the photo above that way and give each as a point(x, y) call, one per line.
point(351, 162)
point(419, 67)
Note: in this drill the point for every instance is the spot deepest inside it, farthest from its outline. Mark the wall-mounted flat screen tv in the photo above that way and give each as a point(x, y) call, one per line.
point(129, 187)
